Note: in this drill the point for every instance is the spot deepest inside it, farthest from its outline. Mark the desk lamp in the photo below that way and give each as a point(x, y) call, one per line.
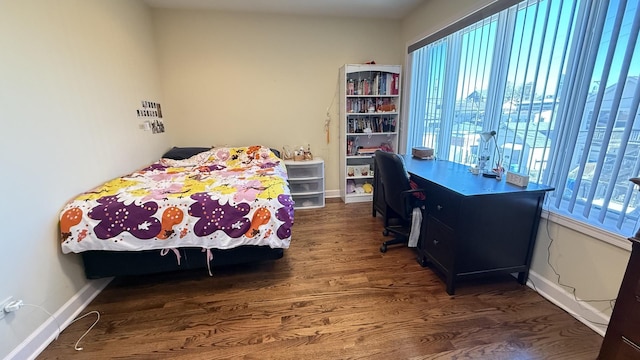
point(487, 136)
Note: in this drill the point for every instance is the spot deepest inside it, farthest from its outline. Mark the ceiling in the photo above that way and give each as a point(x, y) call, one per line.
point(386, 9)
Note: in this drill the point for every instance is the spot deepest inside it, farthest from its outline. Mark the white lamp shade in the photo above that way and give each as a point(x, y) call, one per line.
point(487, 135)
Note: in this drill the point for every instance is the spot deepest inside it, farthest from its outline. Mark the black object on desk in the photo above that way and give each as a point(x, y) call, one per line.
point(475, 226)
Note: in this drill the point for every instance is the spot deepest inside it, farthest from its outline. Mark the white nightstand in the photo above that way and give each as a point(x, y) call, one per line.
point(306, 181)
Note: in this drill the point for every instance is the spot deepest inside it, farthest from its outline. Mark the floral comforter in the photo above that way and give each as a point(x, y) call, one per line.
point(222, 198)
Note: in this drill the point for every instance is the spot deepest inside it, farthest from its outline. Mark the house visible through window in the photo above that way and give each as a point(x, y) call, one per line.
point(538, 73)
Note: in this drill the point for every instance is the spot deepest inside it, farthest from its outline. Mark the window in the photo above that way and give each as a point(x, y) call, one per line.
point(558, 81)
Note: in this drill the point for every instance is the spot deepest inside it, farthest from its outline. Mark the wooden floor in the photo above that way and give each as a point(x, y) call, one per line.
point(332, 296)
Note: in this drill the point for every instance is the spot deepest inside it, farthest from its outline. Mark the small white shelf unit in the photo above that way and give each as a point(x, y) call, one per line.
point(306, 181)
point(369, 119)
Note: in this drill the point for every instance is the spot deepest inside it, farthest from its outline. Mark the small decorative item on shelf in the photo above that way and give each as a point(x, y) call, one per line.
point(287, 154)
point(352, 146)
point(351, 186)
point(307, 154)
point(300, 154)
point(386, 107)
point(386, 147)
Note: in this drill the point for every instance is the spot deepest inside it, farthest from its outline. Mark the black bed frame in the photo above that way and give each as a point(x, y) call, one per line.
point(99, 264)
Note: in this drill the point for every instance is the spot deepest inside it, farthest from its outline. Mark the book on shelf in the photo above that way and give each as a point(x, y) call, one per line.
point(351, 87)
point(367, 150)
point(371, 124)
point(395, 84)
point(376, 84)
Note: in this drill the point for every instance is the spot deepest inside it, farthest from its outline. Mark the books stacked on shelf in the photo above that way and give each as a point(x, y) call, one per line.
point(363, 106)
point(354, 150)
point(367, 150)
point(386, 84)
point(371, 124)
point(378, 84)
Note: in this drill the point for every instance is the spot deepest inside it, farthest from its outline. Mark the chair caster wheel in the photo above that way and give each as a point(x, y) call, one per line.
point(383, 248)
point(385, 232)
point(422, 261)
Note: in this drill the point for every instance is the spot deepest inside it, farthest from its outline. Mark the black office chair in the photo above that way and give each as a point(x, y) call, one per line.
point(398, 196)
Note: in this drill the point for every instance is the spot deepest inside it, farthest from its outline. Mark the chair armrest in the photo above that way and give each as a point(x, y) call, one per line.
point(406, 192)
point(411, 201)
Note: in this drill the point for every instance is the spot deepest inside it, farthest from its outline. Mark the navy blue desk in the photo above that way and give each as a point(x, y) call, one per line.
point(475, 226)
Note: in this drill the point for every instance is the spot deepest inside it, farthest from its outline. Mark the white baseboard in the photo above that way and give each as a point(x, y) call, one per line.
point(583, 312)
point(35, 343)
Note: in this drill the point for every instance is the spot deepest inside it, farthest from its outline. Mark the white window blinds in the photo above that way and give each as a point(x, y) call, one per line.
point(558, 81)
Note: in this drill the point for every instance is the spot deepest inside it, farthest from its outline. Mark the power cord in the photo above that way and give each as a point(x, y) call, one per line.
point(76, 347)
point(572, 288)
point(50, 315)
point(89, 329)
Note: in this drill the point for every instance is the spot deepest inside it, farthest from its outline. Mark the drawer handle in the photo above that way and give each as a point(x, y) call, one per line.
point(631, 343)
point(439, 207)
point(435, 241)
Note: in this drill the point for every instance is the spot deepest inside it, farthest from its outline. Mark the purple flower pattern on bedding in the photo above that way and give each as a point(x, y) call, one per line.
point(216, 167)
point(155, 166)
point(115, 217)
point(285, 214)
point(224, 198)
point(215, 216)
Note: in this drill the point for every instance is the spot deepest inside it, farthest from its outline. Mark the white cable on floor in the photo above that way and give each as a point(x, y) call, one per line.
point(89, 329)
point(76, 319)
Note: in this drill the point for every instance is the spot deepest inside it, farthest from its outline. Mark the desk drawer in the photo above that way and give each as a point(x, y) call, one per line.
point(628, 350)
point(444, 206)
point(630, 327)
point(629, 303)
point(438, 242)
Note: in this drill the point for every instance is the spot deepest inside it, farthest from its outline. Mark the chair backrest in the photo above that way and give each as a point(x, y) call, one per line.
point(395, 179)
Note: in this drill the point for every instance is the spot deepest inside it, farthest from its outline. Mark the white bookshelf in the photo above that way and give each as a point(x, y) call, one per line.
point(369, 119)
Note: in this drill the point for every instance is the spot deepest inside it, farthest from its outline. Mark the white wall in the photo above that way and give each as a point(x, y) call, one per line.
point(241, 78)
point(595, 268)
point(435, 15)
point(72, 74)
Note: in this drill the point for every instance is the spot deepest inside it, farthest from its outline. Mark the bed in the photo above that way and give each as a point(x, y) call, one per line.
point(193, 208)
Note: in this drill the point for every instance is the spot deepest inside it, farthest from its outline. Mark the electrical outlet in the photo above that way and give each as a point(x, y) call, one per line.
point(3, 304)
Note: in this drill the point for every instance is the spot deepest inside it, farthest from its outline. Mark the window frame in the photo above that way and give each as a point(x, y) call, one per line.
point(558, 177)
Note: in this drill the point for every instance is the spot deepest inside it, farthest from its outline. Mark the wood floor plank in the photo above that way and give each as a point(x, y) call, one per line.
point(332, 296)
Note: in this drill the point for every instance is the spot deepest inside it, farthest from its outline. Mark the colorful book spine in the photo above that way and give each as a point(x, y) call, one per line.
point(395, 84)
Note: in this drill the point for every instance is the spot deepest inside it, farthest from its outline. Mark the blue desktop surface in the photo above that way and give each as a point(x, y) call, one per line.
point(457, 177)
